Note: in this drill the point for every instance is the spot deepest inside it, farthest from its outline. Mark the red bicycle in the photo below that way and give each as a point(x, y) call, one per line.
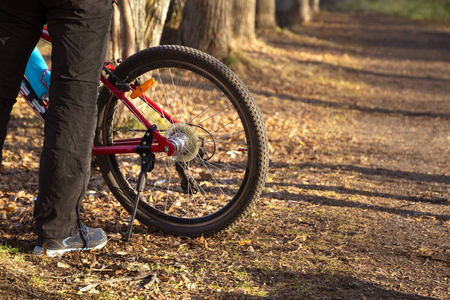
point(188, 121)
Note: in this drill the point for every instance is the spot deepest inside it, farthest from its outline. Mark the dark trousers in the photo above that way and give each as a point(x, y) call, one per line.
point(79, 30)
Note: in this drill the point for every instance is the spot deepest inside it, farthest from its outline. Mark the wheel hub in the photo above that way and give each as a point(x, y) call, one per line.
point(185, 141)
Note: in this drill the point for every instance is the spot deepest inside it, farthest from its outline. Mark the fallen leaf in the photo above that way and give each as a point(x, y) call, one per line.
point(63, 265)
point(245, 242)
point(9, 208)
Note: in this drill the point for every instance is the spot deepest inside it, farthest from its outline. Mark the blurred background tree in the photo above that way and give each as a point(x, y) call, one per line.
point(294, 12)
point(206, 25)
point(243, 20)
point(213, 26)
point(265, 15)
point(137, 24)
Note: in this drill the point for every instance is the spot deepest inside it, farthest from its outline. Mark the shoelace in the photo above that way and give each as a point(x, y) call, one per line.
point(84, 230)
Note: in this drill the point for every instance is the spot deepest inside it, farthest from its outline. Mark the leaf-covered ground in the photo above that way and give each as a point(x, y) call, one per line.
point(356, 204)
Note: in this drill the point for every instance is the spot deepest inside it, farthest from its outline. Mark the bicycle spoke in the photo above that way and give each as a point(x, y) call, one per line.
point(211, 121)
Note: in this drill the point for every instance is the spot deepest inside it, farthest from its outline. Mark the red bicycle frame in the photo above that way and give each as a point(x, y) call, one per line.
point(160, 143)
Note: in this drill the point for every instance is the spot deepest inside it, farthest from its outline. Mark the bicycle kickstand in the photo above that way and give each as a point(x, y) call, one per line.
point(147, 164)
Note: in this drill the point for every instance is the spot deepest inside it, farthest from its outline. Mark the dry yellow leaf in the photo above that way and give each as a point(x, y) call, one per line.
point(9, 208)
point(245, 242)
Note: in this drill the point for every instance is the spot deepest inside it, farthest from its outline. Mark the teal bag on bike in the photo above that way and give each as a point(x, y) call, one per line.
point(38, 74)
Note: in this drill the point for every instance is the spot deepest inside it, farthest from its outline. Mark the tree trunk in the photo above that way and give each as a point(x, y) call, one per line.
point(243, 19)
point(206, 25)
point(127, 30)
point(287, 12)
point(174, 14)
point(305, 11)
point(139, 14)
point(115, 47)
point(291, 12)
point(152, 24)
point(265, 14)
point(137, 25)
point(315, 6)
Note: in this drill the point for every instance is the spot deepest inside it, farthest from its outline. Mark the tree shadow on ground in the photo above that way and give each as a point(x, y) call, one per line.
point(288, 284)
point(413, 176)
point(384, 173)
point(397, 38)
point(426, 83)
point(324, 65)
point(364, 109)
point(338, 189)
point(325, 201)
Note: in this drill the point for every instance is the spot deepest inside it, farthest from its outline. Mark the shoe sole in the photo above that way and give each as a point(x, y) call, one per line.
point(52, 253)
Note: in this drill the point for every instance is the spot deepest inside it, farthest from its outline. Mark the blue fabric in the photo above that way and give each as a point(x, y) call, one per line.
point(37, 74)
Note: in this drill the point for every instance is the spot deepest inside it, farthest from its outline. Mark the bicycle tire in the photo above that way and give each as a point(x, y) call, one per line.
point(225, 170)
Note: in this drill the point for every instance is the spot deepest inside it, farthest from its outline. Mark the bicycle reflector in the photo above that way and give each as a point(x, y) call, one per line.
point(142, 88)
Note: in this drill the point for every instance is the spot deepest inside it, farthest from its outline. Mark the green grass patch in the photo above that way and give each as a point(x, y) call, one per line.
point(438, 10)
point(8, 249)
point(36, 280)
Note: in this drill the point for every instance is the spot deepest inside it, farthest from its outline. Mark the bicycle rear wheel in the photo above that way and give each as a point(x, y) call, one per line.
point(220, 173)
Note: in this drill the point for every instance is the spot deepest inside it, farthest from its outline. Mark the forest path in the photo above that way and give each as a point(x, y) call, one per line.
point(358, 113)
point(356, 204)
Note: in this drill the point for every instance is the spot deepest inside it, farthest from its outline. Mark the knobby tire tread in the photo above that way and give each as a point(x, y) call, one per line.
point(234, 84)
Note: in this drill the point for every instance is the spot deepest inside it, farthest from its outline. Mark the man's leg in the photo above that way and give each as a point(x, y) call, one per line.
point(79, 30)
point(20, 27)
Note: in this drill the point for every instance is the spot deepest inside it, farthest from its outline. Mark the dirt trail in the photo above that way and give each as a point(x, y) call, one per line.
point(356, 205)
point(367, 140)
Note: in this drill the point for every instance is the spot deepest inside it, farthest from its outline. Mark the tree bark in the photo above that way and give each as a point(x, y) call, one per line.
point(287, 12)
point(305, 11)
point(137, 24)
point(127, 30)
point(152, 23)
point(291, 12)
point(175, 12)
point(206, 25)
point(315, 6)
point(265, 14)
point(115, 47)
point(243, 19)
